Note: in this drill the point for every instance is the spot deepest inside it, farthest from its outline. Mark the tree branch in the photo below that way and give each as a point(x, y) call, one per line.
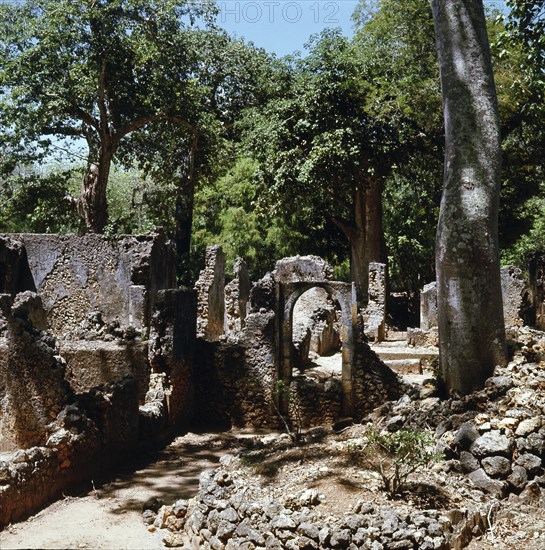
point(348, 229)
point(148, 119)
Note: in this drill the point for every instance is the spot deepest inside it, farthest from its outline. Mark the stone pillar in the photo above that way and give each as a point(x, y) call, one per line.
point(536, 271)
point(237, 294)
point(428, 306)
point(211, 295)
point(513, 287)
point(375, 312)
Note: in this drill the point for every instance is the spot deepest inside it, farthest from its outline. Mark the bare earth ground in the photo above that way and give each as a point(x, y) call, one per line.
point(110, 517)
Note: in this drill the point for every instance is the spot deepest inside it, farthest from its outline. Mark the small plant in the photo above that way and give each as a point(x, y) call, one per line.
point(293, 421)
point(395, 456)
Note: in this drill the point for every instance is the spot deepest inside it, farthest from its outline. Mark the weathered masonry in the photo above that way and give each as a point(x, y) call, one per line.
point(96, 358)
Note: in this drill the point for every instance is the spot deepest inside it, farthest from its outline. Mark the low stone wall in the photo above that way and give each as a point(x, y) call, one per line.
point(229, 514)
point(87, 437)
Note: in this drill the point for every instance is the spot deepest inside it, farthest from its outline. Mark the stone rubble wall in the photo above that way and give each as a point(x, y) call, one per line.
point(374, 315)
point(234, 381)
point(96, 364)
point(172, 343)
point(15, 275)
point(210, 289)
point(513, 288)
point(428, 307)
point(33, 389)
point(227, 513)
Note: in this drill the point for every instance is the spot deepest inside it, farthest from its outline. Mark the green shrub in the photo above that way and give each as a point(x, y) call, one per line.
point(395, 456)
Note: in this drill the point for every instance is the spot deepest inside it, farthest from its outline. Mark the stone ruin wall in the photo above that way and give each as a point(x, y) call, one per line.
point(235, 375)
point(77, 399)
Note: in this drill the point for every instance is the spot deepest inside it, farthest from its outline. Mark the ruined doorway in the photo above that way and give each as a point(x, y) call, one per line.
point(316, 332)
point(342, 293)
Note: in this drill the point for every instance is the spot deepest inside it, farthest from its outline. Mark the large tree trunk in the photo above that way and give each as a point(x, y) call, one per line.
point(185, 197)
point(471, 326)
point(376, 245)
point(183, 227)
point(92, 205)
point(359, 250)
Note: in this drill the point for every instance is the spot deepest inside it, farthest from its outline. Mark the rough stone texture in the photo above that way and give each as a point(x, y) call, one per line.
point(15, 275)
point(235, 380)
point(514, 291)
point(237, 295)
point(428, 306)
point(375, 311)
point(86, 437)
point(78, 275)
point(301, 269)
point(536, 269)
point(315, 311)
point(95, 363)
point(32, 385)
point(419, 338)
point(171, 351)
point(210, 289)
point(253, 520)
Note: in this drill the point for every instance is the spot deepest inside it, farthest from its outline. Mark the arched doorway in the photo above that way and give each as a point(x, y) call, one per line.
point(342, 293)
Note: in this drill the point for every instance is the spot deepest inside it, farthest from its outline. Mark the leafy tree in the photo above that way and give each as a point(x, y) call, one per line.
point(322, 157)
point(97, 71)
point(471, 328)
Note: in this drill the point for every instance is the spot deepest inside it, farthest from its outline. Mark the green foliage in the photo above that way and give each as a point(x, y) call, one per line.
point(37, 199)
point(395, 456)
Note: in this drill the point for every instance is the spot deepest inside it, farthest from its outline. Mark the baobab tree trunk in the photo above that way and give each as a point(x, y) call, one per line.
point(471, 325)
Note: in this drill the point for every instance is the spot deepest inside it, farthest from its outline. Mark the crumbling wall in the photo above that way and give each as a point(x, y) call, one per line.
point(315, 311)
point(32, 385)
point(210, 289)
point(237, 294)
point(237, 381)
point(171, 352)
point(513, 289)
point(118, 278)
point(97, 431)
point(428, 306)
point(15, 275)
point(234, 381)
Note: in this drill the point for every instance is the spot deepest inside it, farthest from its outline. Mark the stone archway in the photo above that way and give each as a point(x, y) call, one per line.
point(344, 294)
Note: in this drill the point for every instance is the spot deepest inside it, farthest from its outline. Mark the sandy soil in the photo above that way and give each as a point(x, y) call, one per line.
point(110, 516)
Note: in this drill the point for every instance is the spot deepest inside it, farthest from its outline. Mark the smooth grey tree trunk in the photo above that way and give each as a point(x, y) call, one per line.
point(471, 325)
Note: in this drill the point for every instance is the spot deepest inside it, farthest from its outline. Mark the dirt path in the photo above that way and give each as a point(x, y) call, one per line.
point(110, 517)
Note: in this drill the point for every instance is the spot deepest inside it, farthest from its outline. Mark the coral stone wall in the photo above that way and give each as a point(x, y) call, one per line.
point(118, 278)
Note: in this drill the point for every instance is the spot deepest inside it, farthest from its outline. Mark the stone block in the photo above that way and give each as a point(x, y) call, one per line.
point(428, 306)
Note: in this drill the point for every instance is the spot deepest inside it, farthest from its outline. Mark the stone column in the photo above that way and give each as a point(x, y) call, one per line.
point(211, 295)
point(375, 312)
point(428, 306)
point(237, 294)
